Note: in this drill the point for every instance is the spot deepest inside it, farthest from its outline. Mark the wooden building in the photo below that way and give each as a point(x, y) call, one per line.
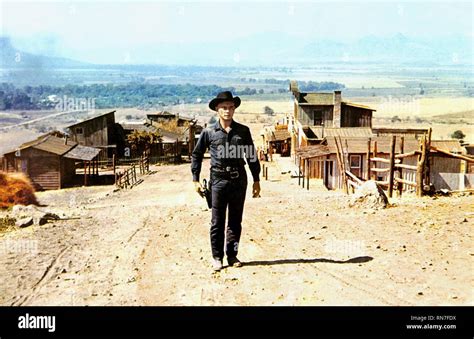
point(100, 132)
point(321, 161)
point(278, 138)
point(321, 111)
point(49, 161)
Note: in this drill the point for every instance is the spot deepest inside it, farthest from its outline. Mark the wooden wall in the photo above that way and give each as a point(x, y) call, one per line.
point(95, 132)
point(355, 117)
point(306, 114)
point(43, 169)
point(46, 171)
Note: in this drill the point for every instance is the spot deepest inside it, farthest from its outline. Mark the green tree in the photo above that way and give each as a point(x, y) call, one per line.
point(268, 110)
point(458, 134)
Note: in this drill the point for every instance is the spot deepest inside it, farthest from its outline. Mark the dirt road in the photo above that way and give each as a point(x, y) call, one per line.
point(150, 246)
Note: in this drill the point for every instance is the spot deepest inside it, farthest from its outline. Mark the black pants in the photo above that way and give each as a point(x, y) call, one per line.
point(227, 194)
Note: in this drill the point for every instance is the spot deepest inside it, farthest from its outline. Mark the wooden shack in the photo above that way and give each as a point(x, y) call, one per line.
point(313, 111)
point(99, 132)
point(321, 161)
point(49, 161)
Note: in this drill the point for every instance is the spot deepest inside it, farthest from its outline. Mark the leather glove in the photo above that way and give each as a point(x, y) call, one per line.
point(256, 189)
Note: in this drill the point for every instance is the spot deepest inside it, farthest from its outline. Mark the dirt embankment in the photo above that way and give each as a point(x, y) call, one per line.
point(150, 246)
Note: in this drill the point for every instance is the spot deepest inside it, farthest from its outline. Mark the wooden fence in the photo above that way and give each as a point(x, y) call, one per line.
point(128, 178)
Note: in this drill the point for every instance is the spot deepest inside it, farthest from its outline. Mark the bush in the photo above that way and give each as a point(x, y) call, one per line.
point(458, 134)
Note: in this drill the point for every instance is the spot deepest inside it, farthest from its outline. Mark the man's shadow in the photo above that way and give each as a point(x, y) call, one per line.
point(356, 260)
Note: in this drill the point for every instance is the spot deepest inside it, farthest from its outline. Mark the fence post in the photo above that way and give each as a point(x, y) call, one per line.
point(420, 167)
point(308, 173)
point(392, 166)
point(368, 158)
point(400, 171)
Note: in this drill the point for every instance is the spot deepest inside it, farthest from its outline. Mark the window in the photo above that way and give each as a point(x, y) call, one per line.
point(79, 130)
point(317, 117)
point(355, 162)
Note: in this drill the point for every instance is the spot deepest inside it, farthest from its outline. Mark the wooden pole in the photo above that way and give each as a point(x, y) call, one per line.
point(427, 157)
point(400, 170)
point(421, 167)
point(308, 163)
point(392, 167)
point(343, 160)
point(304, 163)
point(339, 164)
point(299, 170)
point(369, 144)
point(85, 173)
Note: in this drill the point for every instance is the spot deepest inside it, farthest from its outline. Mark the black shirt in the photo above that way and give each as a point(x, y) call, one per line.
point(226, 149)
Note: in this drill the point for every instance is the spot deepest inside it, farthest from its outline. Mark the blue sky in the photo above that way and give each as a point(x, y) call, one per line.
point(106, 31)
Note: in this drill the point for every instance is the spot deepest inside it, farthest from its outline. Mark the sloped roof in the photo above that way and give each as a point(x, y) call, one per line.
point(357, 105)
point(49, 143)
point(313, 151)
point(321, 132)
point(280, 135)
point(90, 119)
point(316, 98)
point(55, 145)
point(453, 146)
point(360, 145)
point(80, 152)
point(139, 127)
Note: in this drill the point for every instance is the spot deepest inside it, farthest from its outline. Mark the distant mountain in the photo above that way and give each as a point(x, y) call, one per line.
point(10, 57)
point(265, 49)
point(276, 48)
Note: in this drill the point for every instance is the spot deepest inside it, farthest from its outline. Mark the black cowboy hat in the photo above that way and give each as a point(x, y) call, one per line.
point(224, 96)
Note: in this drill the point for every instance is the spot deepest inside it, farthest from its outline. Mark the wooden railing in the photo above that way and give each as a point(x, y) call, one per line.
point(128, 178)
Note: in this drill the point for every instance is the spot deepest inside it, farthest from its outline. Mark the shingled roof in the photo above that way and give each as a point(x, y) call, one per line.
point(84, 153)
point(49, 143)
point(59, 146)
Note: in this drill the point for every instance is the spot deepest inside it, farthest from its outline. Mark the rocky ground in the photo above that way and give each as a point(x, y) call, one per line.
point(149, 245)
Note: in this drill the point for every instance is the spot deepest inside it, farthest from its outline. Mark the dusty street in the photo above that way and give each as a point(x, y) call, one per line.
point(149, 245)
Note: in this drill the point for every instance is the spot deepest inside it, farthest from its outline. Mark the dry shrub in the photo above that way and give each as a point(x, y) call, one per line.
point(16, 189)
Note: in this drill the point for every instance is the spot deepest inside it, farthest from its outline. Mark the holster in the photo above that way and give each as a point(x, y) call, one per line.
point(207, 192)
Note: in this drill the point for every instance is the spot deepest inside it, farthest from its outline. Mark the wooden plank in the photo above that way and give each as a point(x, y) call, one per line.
point(352, 183)
point(406, 182)
point(452, 155)
point(380, 170)
point(386, 161)
point(408, 167)
point(357, 180)
point(406, 155)
point(374, 177)
point(339, 161)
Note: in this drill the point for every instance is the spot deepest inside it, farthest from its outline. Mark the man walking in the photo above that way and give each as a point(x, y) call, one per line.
point(229, 144)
